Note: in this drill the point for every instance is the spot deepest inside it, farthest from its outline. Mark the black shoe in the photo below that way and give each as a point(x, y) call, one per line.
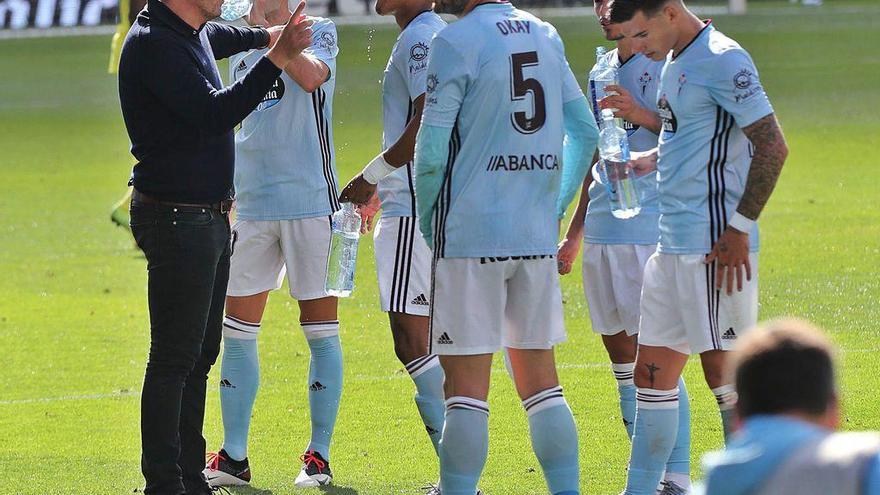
point(221, 470)
point(315, 470)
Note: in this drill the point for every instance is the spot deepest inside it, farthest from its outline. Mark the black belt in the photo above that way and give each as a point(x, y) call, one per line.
point(223, 206)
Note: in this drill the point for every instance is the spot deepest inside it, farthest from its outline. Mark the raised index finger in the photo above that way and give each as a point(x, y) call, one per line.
point(298, 13)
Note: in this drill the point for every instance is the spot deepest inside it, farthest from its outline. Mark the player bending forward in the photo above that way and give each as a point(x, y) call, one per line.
point(403, 260)
point(720, 153)
point(285, 182)
point(616, 250)
point(489, 159)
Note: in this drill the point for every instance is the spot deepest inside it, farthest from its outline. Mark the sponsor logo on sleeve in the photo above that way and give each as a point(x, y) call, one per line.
point(430, 88)
point(745, 85)
point(326, 40)
point(418, 58)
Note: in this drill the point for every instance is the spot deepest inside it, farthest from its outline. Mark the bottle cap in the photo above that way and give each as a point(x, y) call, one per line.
point(607, 114)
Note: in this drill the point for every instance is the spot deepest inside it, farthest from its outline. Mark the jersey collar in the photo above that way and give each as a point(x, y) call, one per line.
point(416, 17)
point(706, 29)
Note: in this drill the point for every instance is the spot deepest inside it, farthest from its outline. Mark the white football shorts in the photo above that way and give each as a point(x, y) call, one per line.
point(682, 310)
point(403, 264)
point(262, 251)
point(613, 276)
point(483, 304)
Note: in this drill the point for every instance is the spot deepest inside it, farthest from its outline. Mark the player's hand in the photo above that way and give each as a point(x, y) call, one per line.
point(274, 34)
point(257, 17)
point(643, 163)
point(368, 211)
point(623, 104)
point(358, 191)
point(731, 255)
point(566, 254)
point(295, 37)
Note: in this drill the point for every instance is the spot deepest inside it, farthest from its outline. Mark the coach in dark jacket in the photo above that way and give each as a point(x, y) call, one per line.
point(180, 120)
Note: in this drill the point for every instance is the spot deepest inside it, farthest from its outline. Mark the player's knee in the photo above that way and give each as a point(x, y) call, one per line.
point(314, 330)
point(410, 342)
point(621, 347)
point(713, 368)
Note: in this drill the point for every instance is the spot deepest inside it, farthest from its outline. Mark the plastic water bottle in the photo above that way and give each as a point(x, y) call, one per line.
point(346, 225)
point(603, 74)
point(615, 169)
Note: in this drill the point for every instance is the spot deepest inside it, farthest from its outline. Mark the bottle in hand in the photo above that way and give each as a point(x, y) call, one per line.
point(346, 225)
point(615, 170)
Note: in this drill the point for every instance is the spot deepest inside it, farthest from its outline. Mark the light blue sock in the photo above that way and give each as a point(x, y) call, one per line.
point(626, 388)
point(239, 381)
point(427, 374)
point(654, 437)
point(554, 440)
point(465, 445)
point(325, 381)
point(726, 397)
point(678, 468)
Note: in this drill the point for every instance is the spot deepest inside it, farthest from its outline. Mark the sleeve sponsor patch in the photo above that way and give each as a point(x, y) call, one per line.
point(745, 85)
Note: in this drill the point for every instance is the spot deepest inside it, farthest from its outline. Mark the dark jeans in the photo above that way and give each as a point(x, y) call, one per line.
point(187, 252)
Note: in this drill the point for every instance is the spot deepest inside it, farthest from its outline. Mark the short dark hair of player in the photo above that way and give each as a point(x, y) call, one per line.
point(786, 366)
point(624, 10)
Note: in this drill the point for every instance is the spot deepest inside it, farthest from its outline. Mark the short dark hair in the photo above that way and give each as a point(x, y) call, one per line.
point(625, 10)
point(783, 367)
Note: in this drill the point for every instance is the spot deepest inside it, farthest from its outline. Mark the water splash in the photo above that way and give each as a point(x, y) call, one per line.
point(370, 34)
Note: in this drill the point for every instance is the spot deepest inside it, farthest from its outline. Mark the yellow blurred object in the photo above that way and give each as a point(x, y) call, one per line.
point(119, 36)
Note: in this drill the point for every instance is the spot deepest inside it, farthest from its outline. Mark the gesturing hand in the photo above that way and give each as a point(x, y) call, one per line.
point(293, 39)
point(358, 191)
point(731, 253)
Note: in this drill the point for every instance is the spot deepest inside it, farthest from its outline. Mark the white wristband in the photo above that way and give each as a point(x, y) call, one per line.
point(377, 170)
point(741, 223)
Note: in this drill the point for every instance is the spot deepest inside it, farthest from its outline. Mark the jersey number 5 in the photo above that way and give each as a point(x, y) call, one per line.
point(520, 87)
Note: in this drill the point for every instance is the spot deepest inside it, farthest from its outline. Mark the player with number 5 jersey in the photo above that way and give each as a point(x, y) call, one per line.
point(492, 181)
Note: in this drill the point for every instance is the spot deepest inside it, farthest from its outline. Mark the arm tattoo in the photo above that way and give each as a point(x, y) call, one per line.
point(770, 154)
point(652, 369)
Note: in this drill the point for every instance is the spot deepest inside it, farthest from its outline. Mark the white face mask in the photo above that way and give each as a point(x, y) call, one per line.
point(232, 10)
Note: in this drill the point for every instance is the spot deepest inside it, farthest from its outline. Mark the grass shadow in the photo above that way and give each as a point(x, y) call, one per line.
point(248, 490)
point(338, 490)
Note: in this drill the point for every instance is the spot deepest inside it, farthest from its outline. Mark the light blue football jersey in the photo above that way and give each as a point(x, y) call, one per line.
point(285, 164)
point(708, 93)
point(640, 76)
point(404, 81)
point(499, 78)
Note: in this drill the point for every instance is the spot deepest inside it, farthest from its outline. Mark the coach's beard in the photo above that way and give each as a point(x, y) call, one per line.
point(454, 7)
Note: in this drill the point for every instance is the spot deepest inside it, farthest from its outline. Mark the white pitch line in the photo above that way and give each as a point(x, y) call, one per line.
point(114, 395)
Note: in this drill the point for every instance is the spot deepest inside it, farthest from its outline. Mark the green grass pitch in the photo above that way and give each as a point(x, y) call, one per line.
point(74, 328)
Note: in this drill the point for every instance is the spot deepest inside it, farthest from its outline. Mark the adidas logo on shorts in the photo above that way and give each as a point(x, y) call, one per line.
point(444, 339)
point(729, 334)
point(317, 387)
point(224, 383)
point(421, 300)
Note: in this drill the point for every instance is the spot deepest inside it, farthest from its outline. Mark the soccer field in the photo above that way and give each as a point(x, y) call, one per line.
point(73, 313)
